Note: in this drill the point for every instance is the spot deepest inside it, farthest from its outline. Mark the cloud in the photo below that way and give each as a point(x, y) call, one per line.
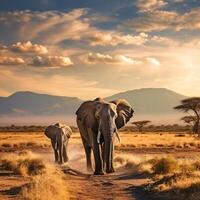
point(51, 61)
point(161, 20)
point(54, 27)
point(113, 38)
point(93, 58)
point(149, 5)
point(28, 47)
point(5, 60)
point(153, 61)
point(48, 26)
point(3, 48)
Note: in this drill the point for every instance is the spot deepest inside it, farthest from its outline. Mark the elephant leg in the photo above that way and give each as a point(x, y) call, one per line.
point(55, 151)
point(56, 155)
point(60, 153)
point(65, 157)
point(88, 151)
point(112, 157)
point(103, 155)
point(97, 155)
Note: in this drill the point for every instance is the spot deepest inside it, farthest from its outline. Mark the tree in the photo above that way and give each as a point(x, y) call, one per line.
point(141, 124)
point(191, 104)
point(190, 120)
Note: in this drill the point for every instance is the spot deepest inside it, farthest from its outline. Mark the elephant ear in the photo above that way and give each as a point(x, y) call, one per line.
point(124, 112)
point(86, 113)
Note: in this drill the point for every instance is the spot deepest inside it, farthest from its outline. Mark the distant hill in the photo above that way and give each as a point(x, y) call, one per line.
point(151, 100)
point(155, 104)
point(29, 103)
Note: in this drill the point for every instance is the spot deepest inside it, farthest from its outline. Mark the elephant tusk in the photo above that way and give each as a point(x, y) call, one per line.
point(117, 134)
point(99, 133)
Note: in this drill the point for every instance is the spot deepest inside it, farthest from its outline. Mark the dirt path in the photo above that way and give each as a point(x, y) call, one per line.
point(120, 185)
point(116, 186)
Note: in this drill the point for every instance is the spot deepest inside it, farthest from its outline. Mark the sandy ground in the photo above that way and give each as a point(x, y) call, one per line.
point(119, 185)
point(122, 184)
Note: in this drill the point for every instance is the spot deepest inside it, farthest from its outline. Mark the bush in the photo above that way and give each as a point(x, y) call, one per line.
point(165, 166)
point(46, 187)
point(24, 164)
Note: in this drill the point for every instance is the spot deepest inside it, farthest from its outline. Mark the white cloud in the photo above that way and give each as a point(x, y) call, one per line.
point(28, 47)
point(3, 48)
point(51, 61)
point(160, 20)
point(113, 38)
point(53, 27)
point(5, 60)
point(153, 61)
point(149, 5)
point(93, 58)
point(159, 40)
point(50, 26)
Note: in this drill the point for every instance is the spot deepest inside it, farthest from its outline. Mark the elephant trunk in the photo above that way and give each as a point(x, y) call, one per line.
point(108, 154)
point(108, 132)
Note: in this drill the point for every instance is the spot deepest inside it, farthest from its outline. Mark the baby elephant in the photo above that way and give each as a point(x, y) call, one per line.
point(59, 135)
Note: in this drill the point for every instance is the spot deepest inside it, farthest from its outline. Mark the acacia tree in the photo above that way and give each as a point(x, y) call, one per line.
point(141, 124)
point(191, 120)
point(191, 104)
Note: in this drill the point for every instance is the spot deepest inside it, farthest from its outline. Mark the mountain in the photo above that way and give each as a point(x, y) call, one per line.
point(29, 103)
point(155, 104)
point(151, 100)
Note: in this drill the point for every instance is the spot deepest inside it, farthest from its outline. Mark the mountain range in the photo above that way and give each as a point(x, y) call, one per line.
point(155, 104)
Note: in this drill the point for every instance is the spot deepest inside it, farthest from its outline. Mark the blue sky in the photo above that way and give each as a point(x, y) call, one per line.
point(98, 48)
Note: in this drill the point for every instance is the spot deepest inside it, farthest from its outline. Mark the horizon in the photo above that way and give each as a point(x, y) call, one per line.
point(89, 49)
point(94, 97)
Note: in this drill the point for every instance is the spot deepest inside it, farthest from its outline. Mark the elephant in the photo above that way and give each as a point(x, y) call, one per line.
point(98, 121)
point(59, 135)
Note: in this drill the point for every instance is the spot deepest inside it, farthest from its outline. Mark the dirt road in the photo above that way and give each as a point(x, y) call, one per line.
point(122, 184)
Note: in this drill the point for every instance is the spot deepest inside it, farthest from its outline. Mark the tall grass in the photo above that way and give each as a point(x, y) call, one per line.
point(46, 187)
point(46, 182)
point(170, 178)
point(26, 164)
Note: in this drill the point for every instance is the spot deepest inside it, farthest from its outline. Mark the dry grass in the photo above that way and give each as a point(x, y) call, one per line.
point(174, 179)
point(129, 140)
point(157, 140)
point(46, 182)
point(29, 140)
point(25, 163)
point(45, 187)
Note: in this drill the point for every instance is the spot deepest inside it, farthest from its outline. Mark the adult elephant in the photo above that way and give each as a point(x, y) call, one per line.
point(59, 135)
point(98, 122)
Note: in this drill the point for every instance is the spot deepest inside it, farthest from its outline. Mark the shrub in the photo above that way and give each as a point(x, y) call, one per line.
point(25, 164)
point(6, 145)
point(45, 187)
point(165, 166)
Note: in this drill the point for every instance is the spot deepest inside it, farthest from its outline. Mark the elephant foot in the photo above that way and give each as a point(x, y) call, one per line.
point(98, 173)
point(89, 170)
point(66, 159)
point(110, 171)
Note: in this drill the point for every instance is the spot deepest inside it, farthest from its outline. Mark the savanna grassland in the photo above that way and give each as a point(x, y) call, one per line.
point(150, 165)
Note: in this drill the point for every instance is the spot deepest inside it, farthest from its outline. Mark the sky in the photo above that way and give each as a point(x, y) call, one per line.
point(90, 48)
